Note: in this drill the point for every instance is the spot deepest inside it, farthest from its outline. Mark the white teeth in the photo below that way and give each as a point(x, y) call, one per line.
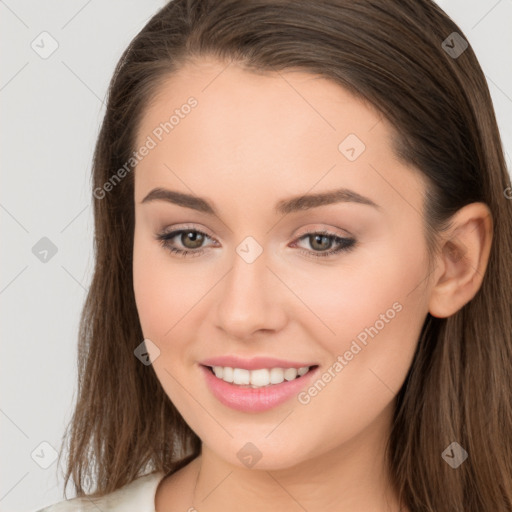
point(258, 378)
point(241, 376)
point(276, 375)
point(227, 374)
point(290, 373)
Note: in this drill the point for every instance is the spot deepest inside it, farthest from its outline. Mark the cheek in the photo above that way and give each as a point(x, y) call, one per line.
point(161, 301)
point(375, 309)
point(370, 357)
point(155, 287)
point(379, 285)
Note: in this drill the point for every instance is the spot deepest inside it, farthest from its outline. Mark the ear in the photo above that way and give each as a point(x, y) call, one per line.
point(462, 260)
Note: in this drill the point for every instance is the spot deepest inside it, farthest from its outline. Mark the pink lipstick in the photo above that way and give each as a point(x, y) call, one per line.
point(258, 384)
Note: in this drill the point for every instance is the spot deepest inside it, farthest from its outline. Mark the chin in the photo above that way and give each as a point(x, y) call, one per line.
point(260, 454)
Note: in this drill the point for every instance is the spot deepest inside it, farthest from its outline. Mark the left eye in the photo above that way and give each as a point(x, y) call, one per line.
point(323, 240)
point(318, 238)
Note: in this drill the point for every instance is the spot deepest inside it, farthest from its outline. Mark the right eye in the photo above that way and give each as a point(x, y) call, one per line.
point(193, 236)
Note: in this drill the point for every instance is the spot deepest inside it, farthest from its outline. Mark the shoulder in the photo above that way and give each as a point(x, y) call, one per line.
point(137, 495)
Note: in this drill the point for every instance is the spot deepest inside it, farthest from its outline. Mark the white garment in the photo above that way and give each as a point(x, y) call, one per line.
point(137, 496)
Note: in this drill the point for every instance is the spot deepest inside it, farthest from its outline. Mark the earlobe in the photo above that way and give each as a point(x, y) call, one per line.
point(463, 256)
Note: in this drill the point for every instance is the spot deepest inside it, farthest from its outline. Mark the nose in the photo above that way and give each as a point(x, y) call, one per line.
point(251, 299)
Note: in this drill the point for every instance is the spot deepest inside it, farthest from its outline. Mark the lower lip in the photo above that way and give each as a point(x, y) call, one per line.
point(254, 399)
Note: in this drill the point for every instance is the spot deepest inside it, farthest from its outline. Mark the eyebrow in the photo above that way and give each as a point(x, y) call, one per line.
point(283, 207)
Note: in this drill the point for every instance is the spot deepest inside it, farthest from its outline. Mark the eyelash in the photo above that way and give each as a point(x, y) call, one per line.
point(344, 244)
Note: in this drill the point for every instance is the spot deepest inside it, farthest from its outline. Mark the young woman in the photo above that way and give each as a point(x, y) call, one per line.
point(303, 287)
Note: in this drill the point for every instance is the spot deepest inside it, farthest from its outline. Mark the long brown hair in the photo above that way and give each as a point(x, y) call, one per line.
point(391, 54)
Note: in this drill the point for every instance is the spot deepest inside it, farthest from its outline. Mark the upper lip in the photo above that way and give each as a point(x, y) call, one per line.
point(253, 363)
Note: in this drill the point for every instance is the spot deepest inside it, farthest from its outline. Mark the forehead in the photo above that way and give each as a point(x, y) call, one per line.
point(233, 98)
point(285, 130)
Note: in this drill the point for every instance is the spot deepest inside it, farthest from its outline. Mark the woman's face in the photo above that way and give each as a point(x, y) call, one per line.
point(257, 284)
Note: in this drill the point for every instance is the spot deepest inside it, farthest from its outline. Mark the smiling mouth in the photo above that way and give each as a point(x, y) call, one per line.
point(259, 378)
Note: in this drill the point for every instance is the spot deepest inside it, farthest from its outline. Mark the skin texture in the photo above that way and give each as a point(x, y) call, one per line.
point(252, 141)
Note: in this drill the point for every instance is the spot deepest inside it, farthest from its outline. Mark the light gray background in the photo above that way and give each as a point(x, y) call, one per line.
point(52, 109)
